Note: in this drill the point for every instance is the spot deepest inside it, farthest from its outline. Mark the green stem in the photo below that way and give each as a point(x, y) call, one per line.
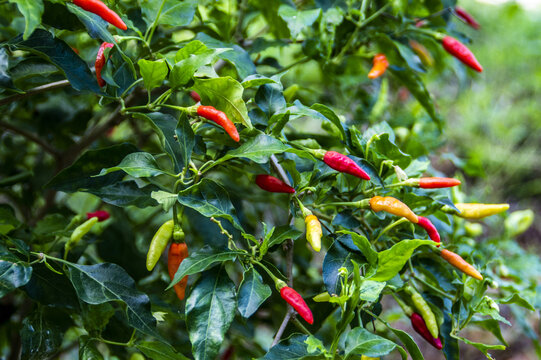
point(389, 227)
point(435, 289)
point(138, 81)
point(301, 326)
point(150, 31)
point(301, 61)
point(273, 277)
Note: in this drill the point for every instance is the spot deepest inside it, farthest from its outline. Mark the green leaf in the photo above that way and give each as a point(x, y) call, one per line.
point(361, 244)
point(174, 12)
point(88, 349)
point(8, 221)
point(105, 282)
point(165, 125)
point(153, 72)
point(210, 310)
point(56, 51)
point(14, 273)
point(78, 176)
point(293, 348)
point(225, 94)
point(338, 256)
point(32, 11)
point(189, 59)
point(516, 298)
point(331, 115)
point(257, 80)
point(201, 260)
point(159, 351)
point(411, 345)
point(252, 293)
point(484, 348)
point(49, 227)
point(126, 194)
point(42, 333)
point(280, 234)
point(166, 199)
point(370, 290)
point(185, 138)
point(360, 341)
point(298, 20)
point(209, 199)
point(392, 260)
point(137, 164)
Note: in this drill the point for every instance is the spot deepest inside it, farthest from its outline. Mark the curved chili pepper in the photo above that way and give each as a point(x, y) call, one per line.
point(437, 182)
point(461, 264)
point(159, 243)
point(177, 253)
point(419, 325)
point(466, 17)
point(424, 309)
point(100, 62)
point(195, 96)
point(342, 163)
point(297, 302)
point(271, 184)
point(393, 206)
point(380, 65)
point(422, 53)
point(313, 231)
point(79, 232)
point(220, 118)
point(461, 52)
point(102, 215)
point(479, 211)
point(100, 9)
point(430, 229)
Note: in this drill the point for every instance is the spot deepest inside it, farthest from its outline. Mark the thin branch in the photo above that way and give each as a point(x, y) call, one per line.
point(48, 148)
point(282, 327)
point(33, 91)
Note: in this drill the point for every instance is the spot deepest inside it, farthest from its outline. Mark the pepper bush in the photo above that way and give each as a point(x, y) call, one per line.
point(292, 76)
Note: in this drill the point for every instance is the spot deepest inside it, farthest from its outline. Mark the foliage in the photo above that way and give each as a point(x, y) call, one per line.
point(293, 79)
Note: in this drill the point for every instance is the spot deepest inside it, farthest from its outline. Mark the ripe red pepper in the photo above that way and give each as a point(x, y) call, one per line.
point(380, 65)
point(271, 184)
point(430, 229)
point(297, 302)
point(220, 118)
point(100, 9)
point(419, 325)
point(437, 182)
point(461, 52)
point(467, 18)
point(177, 253)
point(100, 62)
point(195, 96)
point(102, 215)
point(342, 163)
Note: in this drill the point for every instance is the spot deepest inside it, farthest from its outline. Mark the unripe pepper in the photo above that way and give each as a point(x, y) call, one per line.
point(393, 206)
point(99, 8)
point(424, 309)
point(458, 262)
point(102, 215)
point(177, 253)
point(435, 182)
point(342, 163)
point(78, 233)
point(159, 243)
point(313, 231)
point(297, 302)
point(479, 211)
point(271, 184)
point(422, 53)
point(380, 65)
point(220, 118)
point(467, 18)
point(461, 52)
point(419, 325)
point(430, 229)
point(100, 62)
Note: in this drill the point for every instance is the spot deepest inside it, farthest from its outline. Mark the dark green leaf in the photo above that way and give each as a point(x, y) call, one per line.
point(338, 256)
point(126, 194)
point(185, 138)
point(137, 164)
point(14, 273)
point(159, 351)
point(360, 341)
point(32, 11)
point(8, 221)
point(42, 333)
point(293, 348)
point(252, 293)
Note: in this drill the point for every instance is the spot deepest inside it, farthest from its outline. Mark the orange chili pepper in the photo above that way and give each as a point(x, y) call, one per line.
point(380, 65)
point(393, 206)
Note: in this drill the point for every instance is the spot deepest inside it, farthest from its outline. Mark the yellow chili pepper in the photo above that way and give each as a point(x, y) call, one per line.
point(479, 211)
point(461, 264)
point(313, 231)
point(393, 206)
point(422, 53)
point(426, 312)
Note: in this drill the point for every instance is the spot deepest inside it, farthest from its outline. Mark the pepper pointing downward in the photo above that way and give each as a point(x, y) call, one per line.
point(380, 65)
point(342, 163)
point(461, 264)
point(100, 62)
point(430, 229)
point(100, 9)
point(461, 52)
point(393, 206)
point(271, 184)
point(220, 118)
point(297, 302)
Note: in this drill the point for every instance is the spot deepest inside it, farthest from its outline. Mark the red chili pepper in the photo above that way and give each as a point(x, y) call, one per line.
point(195, 96)
point(461, 52)
point(437, 182)
point(100, 62)
point(467, 18)
point(419, 325)
point(297, 302)
point(271, 184)
point(430, 229)
point(100, 9)
point(177, 253)
point(102, 215)
point(342, 163)
point(220, 118)
point(380, 65)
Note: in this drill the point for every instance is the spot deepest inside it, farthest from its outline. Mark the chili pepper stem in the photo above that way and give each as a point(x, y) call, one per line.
point(300, 326)
point(389, 227)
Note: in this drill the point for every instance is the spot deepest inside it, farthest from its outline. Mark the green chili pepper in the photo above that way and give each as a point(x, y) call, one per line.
point(424, 309)
point(159, 243)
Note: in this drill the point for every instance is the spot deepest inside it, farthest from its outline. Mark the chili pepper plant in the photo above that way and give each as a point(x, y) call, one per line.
point(223, 179)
